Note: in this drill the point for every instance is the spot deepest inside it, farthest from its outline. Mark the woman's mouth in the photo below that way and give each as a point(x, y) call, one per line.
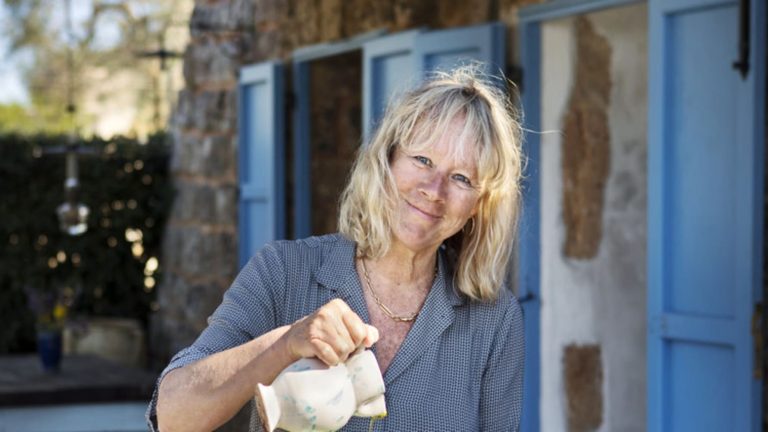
point(423, 213)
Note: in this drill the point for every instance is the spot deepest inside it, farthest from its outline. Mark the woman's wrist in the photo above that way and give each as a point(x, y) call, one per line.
point(283, 349)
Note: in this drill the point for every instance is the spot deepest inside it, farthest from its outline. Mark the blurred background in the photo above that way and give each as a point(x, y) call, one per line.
point(149, 148)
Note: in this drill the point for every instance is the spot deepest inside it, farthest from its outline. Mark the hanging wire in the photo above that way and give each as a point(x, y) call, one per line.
point(70, 58)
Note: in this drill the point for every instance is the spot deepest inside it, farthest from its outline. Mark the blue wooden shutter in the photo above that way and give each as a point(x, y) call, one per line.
point(446, 49)
point(261, 157)
point(705, 203)
point(397, 62)
point(388, 68)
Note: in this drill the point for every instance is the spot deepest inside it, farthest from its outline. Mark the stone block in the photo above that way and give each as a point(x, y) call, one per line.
point(191, 251)
point(218, 158)
point(223, 16)
point(226, 205)
point(194, 203)
point(171, 246)
point(457, 13)
point(269, 10)
point(203, 253)
point(408, 14)
point(183, 117)
point(265, 44)
point(212, 156)
point(207, 205)
point(199, 303)
point(363, 16)
point(216, 111)
point(330, 20)
point(221, 250)
point(180, 153)
point(212, 61)
point(307, 16)
point(170, 296)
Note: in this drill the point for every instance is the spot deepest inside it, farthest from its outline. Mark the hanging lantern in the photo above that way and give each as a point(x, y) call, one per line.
point(73, 215)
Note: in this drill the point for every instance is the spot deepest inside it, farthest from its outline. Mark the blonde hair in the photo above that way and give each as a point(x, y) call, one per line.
point(483, 247)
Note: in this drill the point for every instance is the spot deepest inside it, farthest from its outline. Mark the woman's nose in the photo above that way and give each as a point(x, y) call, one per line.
point(433, 187)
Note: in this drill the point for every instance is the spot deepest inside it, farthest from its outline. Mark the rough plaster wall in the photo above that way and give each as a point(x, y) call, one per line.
point(599, 301)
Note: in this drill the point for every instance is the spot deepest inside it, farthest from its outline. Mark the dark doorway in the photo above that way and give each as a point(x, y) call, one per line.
point(335, 132)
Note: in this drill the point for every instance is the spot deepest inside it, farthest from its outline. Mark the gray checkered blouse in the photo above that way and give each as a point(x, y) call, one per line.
point(460, 367)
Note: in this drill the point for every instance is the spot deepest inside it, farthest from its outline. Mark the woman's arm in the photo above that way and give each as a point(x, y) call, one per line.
point(205, 394)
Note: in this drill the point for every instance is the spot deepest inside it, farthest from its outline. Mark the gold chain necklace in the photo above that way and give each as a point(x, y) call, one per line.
point(382, 306)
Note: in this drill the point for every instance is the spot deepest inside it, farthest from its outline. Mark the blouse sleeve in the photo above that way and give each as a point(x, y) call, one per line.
point(248, 310)
point(501, 396)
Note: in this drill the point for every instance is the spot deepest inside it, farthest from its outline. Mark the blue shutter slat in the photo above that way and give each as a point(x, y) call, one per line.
point(261, 157)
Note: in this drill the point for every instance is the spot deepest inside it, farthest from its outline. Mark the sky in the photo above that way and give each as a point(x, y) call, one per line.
point(11, 86)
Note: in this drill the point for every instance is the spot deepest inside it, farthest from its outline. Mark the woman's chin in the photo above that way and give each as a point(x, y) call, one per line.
point(418, 240)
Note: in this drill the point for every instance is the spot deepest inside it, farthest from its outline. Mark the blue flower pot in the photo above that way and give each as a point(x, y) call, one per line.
point(49, 350)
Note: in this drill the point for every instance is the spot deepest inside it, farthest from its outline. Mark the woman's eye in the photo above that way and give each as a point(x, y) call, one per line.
point(423, 160)
point(463, 179)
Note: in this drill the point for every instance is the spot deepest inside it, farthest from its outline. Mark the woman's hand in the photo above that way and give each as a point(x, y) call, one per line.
point(331, 334)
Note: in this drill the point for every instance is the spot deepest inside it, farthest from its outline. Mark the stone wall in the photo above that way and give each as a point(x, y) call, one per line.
point(200, 251)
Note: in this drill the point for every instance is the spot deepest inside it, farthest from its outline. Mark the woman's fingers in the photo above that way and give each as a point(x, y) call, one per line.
point(325, 353)
point(356, 328)
point(331, 334)
point(371, 335)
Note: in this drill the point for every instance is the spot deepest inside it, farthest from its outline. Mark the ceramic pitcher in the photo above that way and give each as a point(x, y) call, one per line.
point(311, 396)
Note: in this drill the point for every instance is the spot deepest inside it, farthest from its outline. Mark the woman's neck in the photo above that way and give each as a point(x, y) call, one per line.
point(402, 267)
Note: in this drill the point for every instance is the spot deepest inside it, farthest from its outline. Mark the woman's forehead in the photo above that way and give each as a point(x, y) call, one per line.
point(454, 141)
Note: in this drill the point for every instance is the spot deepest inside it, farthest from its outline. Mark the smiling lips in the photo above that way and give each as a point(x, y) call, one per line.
point(425, 214)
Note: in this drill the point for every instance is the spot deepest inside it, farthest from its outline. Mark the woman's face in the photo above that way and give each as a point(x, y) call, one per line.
point(438, 192)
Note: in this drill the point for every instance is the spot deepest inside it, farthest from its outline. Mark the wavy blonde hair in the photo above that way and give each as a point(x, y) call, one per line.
point(481, 250)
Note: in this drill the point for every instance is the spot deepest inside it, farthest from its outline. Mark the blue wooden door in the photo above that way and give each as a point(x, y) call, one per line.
point(261, 158)
point(705, 201)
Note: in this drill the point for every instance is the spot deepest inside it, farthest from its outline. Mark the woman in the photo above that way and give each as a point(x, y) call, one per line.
point(426, 221)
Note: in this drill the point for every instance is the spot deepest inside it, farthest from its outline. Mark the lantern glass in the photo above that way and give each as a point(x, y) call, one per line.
point(73, 217)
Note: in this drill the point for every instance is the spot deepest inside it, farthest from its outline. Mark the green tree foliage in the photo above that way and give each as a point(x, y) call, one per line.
point(103, 272)
point(73, 64)
point(29, 121)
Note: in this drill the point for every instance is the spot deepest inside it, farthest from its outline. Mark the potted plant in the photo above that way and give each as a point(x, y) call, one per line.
point(51, 306)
